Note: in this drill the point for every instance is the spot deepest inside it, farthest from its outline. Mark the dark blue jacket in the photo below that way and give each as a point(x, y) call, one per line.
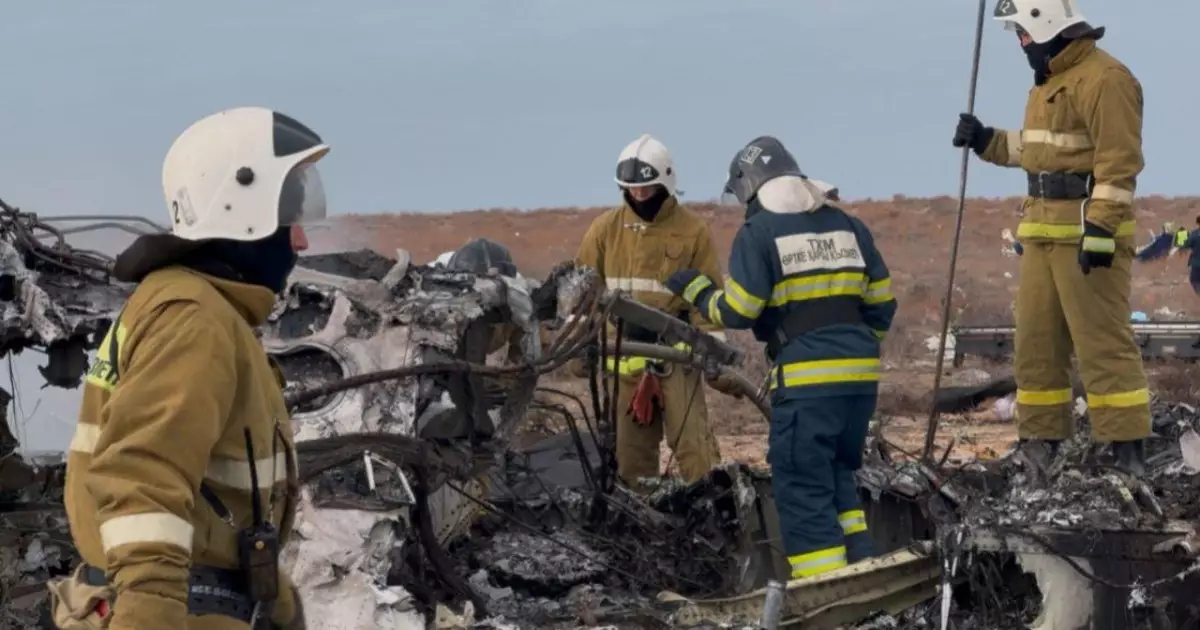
point(820, 260)
point(1192, 242)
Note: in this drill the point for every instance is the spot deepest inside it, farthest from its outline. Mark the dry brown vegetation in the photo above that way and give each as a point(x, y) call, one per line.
point(915, 237)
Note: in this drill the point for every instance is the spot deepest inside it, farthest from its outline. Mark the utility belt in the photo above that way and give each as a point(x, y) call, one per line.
point(832, 311)
point(211, 591)
point(1070, 186)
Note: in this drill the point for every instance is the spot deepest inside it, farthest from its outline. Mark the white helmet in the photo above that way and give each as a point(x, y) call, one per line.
point(1042, 19)
point(242, 173)
point(646, 162)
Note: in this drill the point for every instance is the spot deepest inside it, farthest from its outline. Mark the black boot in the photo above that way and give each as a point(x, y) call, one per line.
point(1131, 457)
point(1040, 453)
point(1038, 456)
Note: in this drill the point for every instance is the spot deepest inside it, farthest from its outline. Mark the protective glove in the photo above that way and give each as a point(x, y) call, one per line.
point(1096, 248)
point(971, 133)
point(689, 284)
point(726, 384)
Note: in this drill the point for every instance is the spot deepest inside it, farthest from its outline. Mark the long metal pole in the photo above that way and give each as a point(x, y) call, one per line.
point(931, 429)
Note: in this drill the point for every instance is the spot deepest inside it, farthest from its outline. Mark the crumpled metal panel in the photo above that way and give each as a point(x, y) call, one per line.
point(43, 308)
point(341, 557)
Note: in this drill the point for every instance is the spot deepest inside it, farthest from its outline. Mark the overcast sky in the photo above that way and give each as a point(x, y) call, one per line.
point(433, 106)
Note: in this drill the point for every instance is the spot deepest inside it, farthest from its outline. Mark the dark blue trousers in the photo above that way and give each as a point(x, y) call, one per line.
point(815, 447)
point(1194, 278)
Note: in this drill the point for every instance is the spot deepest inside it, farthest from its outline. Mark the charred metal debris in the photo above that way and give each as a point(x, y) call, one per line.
point(427, 503)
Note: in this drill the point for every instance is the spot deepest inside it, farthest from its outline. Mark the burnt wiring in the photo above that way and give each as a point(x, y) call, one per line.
point(583, 555)
point(573, 340)
point(29, 233)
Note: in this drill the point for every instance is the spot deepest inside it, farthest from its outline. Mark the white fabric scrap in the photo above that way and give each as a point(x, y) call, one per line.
point(338, 562)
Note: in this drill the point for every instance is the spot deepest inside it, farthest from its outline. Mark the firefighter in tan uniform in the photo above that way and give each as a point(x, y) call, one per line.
point(1081, 147)
point(635, 248)
point(183, 413)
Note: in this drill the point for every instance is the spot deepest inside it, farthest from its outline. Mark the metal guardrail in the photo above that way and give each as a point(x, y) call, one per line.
point(1157, 340)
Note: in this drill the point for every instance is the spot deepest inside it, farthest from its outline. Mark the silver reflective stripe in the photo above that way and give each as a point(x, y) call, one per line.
point(235, 473)
point(645, 285)
point(228, 472)
point(150, 527)
point(1056, 139)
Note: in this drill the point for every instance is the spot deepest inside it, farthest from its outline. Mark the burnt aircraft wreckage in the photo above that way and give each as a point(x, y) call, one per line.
point(426, 503)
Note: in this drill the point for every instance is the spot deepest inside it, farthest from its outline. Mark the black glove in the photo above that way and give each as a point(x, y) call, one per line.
point(1096, 248)
point(971, 133)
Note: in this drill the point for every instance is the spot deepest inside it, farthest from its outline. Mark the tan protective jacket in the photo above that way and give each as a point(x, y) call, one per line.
point(190, 375)
point(633, 255)
point(1086, 118)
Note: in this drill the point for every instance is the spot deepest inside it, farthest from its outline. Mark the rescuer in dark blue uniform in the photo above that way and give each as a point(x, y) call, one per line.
point(807, 279)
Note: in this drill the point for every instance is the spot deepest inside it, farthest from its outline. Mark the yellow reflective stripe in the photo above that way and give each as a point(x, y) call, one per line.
point(829, 371)
point(1099, 244)
point(740, 300)
point(853, 521)
point(645, 285)
point(880, 334)
point(235, 473)
point(878, 292)
point(818, 286)
point(629, 366)
point(632, 365)
point(714, 307)
point(102, 374)
point(808, 564)
point(1015, 146)
point(1115, 194)
point(1065, 230)
point(1134, 398)
point(1044, 398)
point(1056, 139)
point(693, 289)
point(150, 527)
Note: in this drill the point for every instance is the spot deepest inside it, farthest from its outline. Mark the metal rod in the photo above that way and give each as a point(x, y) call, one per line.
point(106, 217)
point(931, 429)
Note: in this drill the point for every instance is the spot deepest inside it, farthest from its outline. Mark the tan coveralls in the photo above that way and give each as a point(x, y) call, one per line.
point(1086, 118)
point(635, 256)
point(191, 376)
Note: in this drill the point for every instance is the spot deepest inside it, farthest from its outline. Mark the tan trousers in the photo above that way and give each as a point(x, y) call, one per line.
point(1057, 304)
point(685, 426)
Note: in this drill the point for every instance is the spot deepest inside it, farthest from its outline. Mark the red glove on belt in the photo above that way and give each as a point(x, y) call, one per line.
point(647, 399)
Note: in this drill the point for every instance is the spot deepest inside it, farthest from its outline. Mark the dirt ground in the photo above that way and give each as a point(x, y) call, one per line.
point(915, 236)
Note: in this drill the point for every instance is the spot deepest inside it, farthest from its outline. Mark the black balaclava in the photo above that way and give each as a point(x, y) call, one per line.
point(1039, 56)
point(647, 210)
point(266, 262)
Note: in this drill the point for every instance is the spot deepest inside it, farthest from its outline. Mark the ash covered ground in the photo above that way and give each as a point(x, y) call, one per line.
point(545, 554)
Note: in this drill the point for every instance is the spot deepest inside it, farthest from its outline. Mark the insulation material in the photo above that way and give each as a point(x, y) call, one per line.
point(339, 560)
point(329, 326)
